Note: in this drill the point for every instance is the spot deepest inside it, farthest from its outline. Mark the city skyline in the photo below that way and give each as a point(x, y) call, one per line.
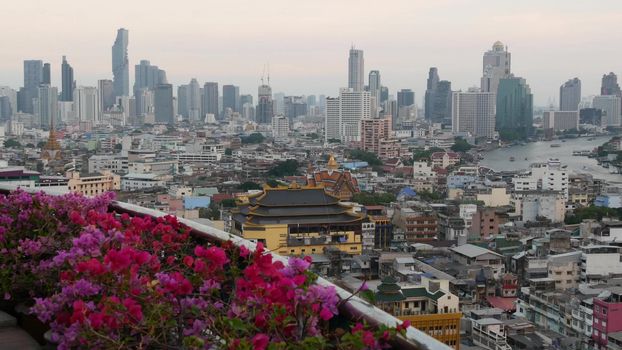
point(318, 65)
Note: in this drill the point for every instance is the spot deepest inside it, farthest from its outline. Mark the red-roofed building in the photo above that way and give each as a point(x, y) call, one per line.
point(505, 304)
point(336, 182)
point(219, 197)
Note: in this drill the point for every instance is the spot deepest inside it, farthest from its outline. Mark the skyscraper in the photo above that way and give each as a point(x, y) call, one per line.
point(265, 105)
point(67, 83)
point(295, 106)
point(344, 114)
point(474, 112)
point(121, 64)
point(430, 93)
point(148, 76)
point(611, 107)
point(610, 85)
point(183, 101)
point(356, 69)
point(496, 65)
point(46, 108)
point(163, 97)
point(405, 98)
point(47, 74)
point(86, 104)
point(106, 94)
point(210, 98)
point(570, 95)
point(514, 115)
point(33, 77)
point(230, 97)
point(438, 99)
point(194, 101)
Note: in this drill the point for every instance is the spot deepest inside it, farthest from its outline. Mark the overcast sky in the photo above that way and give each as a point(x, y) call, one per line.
point(306, 43)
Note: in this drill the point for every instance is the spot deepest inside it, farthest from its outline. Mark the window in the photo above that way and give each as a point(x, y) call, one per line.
point(604, 311)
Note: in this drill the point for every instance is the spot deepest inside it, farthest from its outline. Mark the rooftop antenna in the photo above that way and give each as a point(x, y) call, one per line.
point(268, 73)
point(263, 73)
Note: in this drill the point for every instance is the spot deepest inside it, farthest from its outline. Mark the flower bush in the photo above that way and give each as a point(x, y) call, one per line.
point(33, 227)
point(117, 281)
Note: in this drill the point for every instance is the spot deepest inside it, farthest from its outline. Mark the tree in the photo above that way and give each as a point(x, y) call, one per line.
point(369, 157)
point(592, 212)
point(272, 183)
point(313, 135)
point(249, 185)
point(41, 144)
point(286, 168)
point(334, 141)
point(228, 203)
point(118, 147)
point(228, 151)
point(429, 196)
point(12, 143)
point(460, 145)
point(368, 198)
point(253, 138)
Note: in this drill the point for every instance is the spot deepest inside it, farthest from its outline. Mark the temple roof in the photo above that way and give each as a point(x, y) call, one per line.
point(286, 197)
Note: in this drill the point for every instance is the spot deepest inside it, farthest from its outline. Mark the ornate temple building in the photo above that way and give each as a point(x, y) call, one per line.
point(51, 150)
point(339, 183)
point(298, 220)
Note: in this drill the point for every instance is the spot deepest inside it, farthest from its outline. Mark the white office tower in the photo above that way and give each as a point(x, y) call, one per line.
point(561, 120)
point(473, 112)
point(496, 65)
point(611, 107)
point(280, 127)
point(375, 88)
point(344, 114)
point(86, 104)
point(356, 67)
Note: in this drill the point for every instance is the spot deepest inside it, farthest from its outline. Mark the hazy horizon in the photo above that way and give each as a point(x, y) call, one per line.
point(306, 44)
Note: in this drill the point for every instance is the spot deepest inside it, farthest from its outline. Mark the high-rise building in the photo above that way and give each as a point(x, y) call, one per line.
point(473, 112)
point(610, 105)
point(106, 94)
point(246, 99)
point(514, 115)
point(570, 95)
point(47, 74)
point(8, 104)
point(86, 104)
point(148, 76)
point(295, 106)
point(438, 99)
point(230, 97)
point(194, 101)
point(46, 108)
point(430, 92)
point(344, 114)
point(356, 69)
point(375, 88)
point(210, 98)
point(121, 64)
point(561, 120)
point(33, 77)
point(68, 84)
point(163, 110)
point(280, 127)
point(610, 85)
point(405, 97)
point(265, 105)
point(384, 94)
point(183, 101)
point(496, 65)
point(375, 131)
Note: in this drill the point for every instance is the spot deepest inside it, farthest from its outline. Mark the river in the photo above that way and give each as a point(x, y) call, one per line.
point(541, 151)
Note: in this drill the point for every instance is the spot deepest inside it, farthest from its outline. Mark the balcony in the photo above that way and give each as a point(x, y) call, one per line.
point(355, 309)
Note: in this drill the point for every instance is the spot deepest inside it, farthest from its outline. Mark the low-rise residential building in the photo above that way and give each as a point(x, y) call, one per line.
point(470, 254)
point(599, 263)
point(137, 181)
point(444, 159)
point(430, 307)
point(607, 316)
point(93, 184)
